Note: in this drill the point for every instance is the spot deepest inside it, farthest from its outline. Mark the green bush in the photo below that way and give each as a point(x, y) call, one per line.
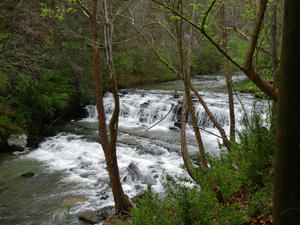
point(53, 92)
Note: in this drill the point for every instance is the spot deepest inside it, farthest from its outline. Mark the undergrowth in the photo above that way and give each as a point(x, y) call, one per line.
point(244, 176)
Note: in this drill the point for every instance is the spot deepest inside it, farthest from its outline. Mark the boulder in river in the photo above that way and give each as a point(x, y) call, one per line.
point(94, 217)
point(132, 174)
point(17, 141)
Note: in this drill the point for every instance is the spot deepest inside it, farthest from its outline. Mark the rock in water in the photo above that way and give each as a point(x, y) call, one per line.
point(131, 173)
point(28, 174)
point(94, 217)
point(17, 141)
point(90, 217)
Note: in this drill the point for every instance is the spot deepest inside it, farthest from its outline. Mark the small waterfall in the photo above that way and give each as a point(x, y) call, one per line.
point(141, 109)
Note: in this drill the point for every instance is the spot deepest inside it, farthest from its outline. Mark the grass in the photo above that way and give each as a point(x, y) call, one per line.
point(249, 87)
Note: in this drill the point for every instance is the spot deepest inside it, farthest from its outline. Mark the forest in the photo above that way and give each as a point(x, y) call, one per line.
point(149, 112)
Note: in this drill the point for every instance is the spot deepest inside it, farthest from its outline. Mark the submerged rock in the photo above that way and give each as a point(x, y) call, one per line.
point(28, 174)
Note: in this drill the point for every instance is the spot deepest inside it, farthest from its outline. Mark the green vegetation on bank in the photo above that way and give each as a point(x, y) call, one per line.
point(244, 176)
point(248, 87)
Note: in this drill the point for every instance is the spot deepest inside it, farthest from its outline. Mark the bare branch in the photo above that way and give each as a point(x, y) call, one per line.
point(84, 8)
point(203, 32)
point(263, 85)
point(254, 36)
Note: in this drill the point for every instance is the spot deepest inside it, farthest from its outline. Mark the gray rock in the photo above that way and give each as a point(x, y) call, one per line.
point(107, 211)
point(132, 174)
point(90, 217)
point(93, 217)
point(18, 141)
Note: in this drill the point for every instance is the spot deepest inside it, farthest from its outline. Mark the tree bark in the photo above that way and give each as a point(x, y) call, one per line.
point(222, 132)
point(191, 108)
point(274, 42)
point(248, 67)
point(184, 149)
point(108, 143)
point(287, 166)
point(224, 39)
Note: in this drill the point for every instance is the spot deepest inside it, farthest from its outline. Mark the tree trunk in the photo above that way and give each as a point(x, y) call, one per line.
point(222, 132)
point(122, 203)
point(274, 42)
point(184, 149)
point(224, 39)
point(185, 71)
point(287, 165)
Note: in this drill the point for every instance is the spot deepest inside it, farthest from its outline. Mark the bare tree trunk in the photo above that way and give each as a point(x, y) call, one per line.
point(227, 143)
point(191, 109)
point(108, 143)
point(122, 203)
point(248, 68)
point(184, 149)
point(224, 39)
point(274, 42)
point(287, 166)
point(186, 82)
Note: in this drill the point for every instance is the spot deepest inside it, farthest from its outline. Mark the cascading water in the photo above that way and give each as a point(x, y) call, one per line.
point(70, 167)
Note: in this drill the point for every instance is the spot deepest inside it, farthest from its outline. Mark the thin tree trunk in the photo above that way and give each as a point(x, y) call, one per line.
point(191, 109)
point(222, 132)
point(224, 39)
point(287, 163)
point(184, 149)
point(248, 67)
point(274, 42)
point(122, 203)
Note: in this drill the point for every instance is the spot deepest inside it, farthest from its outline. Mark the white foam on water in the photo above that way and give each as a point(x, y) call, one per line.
point(83, 163)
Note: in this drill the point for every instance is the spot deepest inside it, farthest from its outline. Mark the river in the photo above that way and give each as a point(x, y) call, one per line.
point(68, 172)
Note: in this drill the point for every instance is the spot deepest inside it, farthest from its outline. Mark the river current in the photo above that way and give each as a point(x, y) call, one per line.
point(69, 168)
